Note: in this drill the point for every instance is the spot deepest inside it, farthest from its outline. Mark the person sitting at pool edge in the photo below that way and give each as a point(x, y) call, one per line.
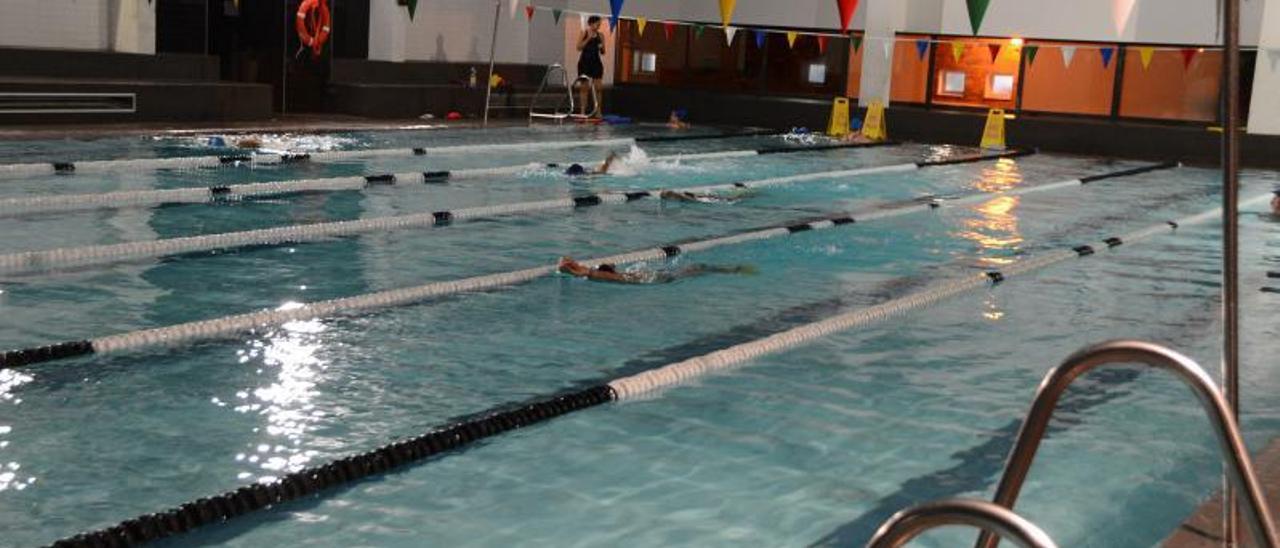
point(609, 273)
point(676, 120)
point(576, 170)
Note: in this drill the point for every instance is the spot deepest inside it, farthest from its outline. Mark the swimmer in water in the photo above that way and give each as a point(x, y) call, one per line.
point(609, 273)
point(676, 120)
point(1275, 203)
point(576, 170)
point(701, 198)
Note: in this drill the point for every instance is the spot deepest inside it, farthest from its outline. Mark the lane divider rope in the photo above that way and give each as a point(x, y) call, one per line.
point(242, 323)
point(84, 256)
point(315, 480)
point(249, 160)
point(135, 198)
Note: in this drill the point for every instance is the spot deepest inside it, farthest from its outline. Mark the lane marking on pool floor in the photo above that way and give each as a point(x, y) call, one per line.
point(395, 456)
point(194, 195)
point(272, 159)
point(248, 322)
point(53, 259)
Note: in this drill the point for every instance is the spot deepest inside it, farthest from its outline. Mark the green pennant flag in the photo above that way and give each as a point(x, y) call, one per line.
point(977, 11)
point(555, 14)
point(698, 30)
point(1031, 54)
point(857, 42)
point(413, 8)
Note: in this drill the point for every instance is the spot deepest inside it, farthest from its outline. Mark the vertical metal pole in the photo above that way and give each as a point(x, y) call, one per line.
point(284, 62)
point(1231, 243)
point(493, 56)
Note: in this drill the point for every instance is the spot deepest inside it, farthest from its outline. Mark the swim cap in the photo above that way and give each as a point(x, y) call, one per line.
point(576, 170)
point(682, 113)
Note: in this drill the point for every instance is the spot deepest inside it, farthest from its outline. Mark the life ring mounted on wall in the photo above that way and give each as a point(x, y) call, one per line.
point(314, 25)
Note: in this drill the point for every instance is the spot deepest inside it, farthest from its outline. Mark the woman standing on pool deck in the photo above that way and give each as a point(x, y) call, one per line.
point(591, 44)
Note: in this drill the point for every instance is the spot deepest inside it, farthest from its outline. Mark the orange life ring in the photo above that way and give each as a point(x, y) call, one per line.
point(314, 31)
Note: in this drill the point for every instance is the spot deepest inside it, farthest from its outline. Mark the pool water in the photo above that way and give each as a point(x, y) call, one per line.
point(817, 445)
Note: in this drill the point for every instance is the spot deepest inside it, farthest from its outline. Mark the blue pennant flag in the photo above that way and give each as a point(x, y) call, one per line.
point(615, 7)
point(1107, 54)
point(922, 47)
point(760, 38)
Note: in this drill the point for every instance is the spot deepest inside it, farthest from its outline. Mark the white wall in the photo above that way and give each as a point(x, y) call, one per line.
point(1264, 111)
point(457, 31)
point(102, 25)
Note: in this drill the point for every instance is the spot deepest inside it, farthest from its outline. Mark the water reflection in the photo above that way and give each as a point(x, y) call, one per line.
point(996, 229)
point(290, 361)
point(10, 472)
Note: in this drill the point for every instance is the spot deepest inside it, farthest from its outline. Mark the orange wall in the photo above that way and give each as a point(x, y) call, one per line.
point(1085, 87)
point(1167, 89)
point(855, 70)
point(910, 71)
point(978, 67)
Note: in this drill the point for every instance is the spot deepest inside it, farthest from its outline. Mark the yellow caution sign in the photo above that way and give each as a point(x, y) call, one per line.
point(993, 135)
point(873, 126)
point(839, 124)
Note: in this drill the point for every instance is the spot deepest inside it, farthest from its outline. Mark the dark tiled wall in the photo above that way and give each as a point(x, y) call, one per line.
point(49, 63)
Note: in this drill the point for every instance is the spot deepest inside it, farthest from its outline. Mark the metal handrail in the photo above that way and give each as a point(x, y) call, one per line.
point(987, 516)
point(564, 80)
point(595, 98)
point(1238, 464)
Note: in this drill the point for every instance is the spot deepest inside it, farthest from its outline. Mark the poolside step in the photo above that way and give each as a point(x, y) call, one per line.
point(1204, 528)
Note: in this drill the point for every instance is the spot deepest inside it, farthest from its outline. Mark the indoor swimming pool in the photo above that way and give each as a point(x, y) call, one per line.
point(816, 444)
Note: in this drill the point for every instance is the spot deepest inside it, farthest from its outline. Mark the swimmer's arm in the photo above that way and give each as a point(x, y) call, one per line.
point(611, 277)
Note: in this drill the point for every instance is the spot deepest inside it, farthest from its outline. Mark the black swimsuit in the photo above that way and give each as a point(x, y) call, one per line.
point(589, 63)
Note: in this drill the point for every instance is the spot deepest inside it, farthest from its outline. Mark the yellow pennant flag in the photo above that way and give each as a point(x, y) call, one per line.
point(726, 11)
point(957, 50)
point(1146, 54)
point(791, 38)
point(640, 23)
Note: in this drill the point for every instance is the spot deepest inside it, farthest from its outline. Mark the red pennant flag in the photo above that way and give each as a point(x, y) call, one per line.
point(822, 44)
point(528, 12)
point(847, 9)
point(668, 28)
point(995, 51)
point(1188, 55)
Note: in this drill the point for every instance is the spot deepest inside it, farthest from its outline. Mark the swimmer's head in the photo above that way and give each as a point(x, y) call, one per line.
point(576, 170)
point(607, 268)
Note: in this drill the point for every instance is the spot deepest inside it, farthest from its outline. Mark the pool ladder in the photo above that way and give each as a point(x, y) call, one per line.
point(560, 113)
point(998, 516)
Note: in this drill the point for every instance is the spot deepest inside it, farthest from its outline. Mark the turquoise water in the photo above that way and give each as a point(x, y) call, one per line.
point(815, 445)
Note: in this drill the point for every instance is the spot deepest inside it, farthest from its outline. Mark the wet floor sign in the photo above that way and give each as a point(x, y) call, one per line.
point(873, 126)
point(993, 135)
point(838, 126)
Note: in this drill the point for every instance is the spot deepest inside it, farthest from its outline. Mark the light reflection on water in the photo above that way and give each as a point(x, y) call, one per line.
point(291, 366)
point(996, 228)
point(9, 471)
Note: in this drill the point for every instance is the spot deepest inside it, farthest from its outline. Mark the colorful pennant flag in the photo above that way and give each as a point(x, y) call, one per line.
point(1188, 55)
point(922, 47)
point(555, 14)
point(857, 43)
point(1146, 54)
point(761, 36)
point(514, 5)
point(726, 11)
point(1107, 54)
point(413, 8)
point(669, 29)
point(957, 50)
point(528, 12)
point(615, 12)
point(698, 30)
point(995, 51)
point(977, 12)
point(1121, 12)
point(1068, 53)
point(847, 9)
point(822, 43)
point(791, 38)
point(641, 23)
point(1031, 53)
point(729, 33)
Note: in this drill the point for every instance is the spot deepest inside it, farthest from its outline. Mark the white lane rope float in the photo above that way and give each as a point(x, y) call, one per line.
point(311, 481)
point(251, 160)
point(78, 257)
point(195, 195)
point(243, 323)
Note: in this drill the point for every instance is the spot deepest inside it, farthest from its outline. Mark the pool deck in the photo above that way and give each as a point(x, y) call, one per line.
point(299, 123)
point(1204, 528)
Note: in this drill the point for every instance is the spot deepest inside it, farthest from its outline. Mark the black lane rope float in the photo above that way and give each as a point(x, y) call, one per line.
point(28, 205)
point(242, 323)
point(243, 160)
point(398, 455)
point(84, 256)
point(707, 137)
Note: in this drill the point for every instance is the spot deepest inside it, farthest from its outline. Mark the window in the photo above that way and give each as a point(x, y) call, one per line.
point(818, 74)
point(1000, 86)
point(644, 62)
point(951, 83)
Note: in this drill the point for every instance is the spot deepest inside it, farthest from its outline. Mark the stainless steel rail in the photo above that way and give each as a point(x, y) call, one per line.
point(987, 516)
point(556, 114)
point(1236, 456)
